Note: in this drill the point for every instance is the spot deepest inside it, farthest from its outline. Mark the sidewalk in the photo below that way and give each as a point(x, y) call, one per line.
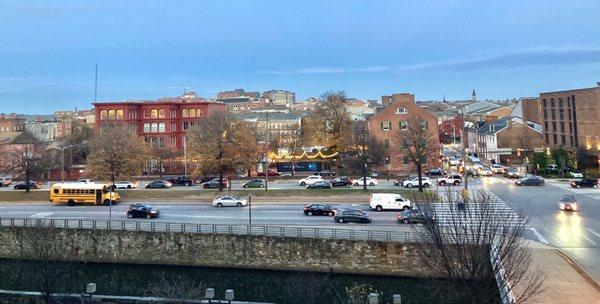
point(566, 281)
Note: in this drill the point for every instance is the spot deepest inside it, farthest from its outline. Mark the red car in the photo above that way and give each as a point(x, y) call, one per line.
point(270, 172)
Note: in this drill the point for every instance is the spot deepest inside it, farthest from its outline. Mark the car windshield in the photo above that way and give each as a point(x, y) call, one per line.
point(568, 199)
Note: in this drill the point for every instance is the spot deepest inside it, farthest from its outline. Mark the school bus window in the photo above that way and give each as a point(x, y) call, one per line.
point(55, 191)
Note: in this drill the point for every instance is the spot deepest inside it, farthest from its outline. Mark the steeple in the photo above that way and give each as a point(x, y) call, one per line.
point(474, 96)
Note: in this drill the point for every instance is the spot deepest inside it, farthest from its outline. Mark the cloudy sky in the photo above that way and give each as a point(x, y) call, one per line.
point(151, 49)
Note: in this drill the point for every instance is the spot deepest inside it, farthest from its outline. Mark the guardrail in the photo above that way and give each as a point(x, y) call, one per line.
point(257, 230)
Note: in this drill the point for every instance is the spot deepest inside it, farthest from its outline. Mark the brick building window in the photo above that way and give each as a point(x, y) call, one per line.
point(173, 126)
point(161, 113)
point(386, 143)
point(153, 127)
point(554, 126)
point(545, 125)
point(161, 127)
point(173, 140)
point(173, 113)
point(561, 114)
point(545, 114)
point(185, 113)
point(103, 114)
point(405, 160)
point(563, 140)
point(544, 102)
point(111, 114)
point(403, 125)
point(562, 127)
point(401, 110)
point(404, 144)
point(192, 112)
point(552, 102)
point(120, 114)
point(553, 112)
point(146, 113)
point(199, 112)
point(386, 125)
point(560, 103)
point(154, 113)
point(570, 127)
point(185, 125)
point(424, 124)
point(146, 127)
point(547, 138)
point(554, 138)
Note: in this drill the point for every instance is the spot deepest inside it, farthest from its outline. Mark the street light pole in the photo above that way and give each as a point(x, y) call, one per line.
point(185, 169)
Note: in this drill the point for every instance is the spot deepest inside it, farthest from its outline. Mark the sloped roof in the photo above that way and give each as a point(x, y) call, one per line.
point(479, 107)
point(17, 138)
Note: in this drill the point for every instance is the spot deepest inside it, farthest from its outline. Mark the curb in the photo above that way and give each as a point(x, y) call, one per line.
point(578, 268)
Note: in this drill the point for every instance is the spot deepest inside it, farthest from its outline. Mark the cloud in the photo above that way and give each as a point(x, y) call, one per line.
point(328, 70)
point(528, 58)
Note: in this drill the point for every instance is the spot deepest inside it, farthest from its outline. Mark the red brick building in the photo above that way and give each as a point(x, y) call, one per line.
point(389, 123)
point(162, 122)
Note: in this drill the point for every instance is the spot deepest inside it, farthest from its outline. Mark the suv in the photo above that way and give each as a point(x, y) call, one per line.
point(310, 180)
point(450, 179)
point(5, 181)
point(498, 169)
point(182, 181)
point(414, 182)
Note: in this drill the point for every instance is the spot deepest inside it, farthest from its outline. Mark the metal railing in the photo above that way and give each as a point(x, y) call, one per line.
point(255, 230)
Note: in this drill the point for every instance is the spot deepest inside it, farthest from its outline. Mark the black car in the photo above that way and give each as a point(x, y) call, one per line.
point(159, 184)
point(214, 184)
point(182, 181)
point(436, 172)
point(23, 185)
point(142, 210)
point(319, 209)
point(325, 173)
point(341, 181)
point(530, 181)
point(352, 215)
point(586, 182)
point(413, 216)
point(319, 185)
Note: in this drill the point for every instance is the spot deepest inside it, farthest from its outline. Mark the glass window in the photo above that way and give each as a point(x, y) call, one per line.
point(192, 112)
point(103, 114)
point(423, 124)
point(560, 103)
point(404, 125)
point(111, 114)
point(386, 125)
point(552, 102)
point(199, 112)
point(544, 102)
point(146, 127)
point(401, 110)
point(405, 160)
point(120, 114)
point(153, 127)
point(161, 127)
point(154, 113)
point(386, 143)
point(185, 113)
point(146, 113)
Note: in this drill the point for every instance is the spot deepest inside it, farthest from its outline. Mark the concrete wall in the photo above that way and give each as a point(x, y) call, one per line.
point(257, 252)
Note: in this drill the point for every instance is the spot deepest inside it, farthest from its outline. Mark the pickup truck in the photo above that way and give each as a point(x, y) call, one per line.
point(450, 179)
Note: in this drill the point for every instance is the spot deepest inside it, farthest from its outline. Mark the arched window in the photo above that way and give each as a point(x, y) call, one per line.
point(103, 114)
point(185, 113)
point(111, 114)
point(161, 113)
point(199, 112)
point(153, 127)
point(192, 112)
point(401, 110)
point(120, 114)
point(154, 113)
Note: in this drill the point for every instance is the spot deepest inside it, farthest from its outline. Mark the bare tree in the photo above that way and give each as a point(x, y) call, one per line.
point(26, 159)
point(47, 273)
point(176, 289)
point(116, 153)
point(329, 124)
point(248, 149)
point(212, 142)
point(358, 293)
point(293, 144)
point(472, 244)
point(163, 155)
point(417, 144)
point(368, 150)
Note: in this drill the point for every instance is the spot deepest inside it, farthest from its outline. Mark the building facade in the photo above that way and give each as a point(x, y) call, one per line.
point(389, 123)
point(280, 97)
point(12, 124)
point(572, 119)
point(162, 122)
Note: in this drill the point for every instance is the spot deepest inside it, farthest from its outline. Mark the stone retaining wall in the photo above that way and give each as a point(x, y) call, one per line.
point(230, 251)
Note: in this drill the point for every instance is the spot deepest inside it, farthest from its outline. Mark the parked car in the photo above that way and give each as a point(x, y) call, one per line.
point(5, 181)
point(436, 172)
point(568, 203)
point(310, 180)
point(585, 182)
point(270, 172)
point(530, 181)
point(359, 181)
point(229, 201)
point(450, 179)
point(214, 184)
point(485, 171)
point(319, 209)
point(159, 184)
point(341, 181)
point(352, 215)
point(23, 185)
point(454, 161)
point(255, 183)
point(414, 182)
point(85, 181)
point(471, 172)
point(126, 185)
point(552, 169)
point(498, 169)
point(326, 173)
point(575, 174)
point(389, 201)
point(512, 173)
point(323, 184)
point(142, 210)
point(413, 217)
point(182, 181)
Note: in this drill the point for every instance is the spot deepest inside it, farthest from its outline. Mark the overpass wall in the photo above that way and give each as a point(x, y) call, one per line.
point(219, 250)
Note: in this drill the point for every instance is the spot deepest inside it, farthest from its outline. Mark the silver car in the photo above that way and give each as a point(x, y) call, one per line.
point(229, 201)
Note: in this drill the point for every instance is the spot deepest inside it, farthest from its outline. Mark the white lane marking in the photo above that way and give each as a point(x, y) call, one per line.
point(41, 214)
point(539, 236)
point(593, 232)
point(588, 239)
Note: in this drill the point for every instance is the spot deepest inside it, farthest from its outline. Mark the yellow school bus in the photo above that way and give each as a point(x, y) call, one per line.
point(82, 193)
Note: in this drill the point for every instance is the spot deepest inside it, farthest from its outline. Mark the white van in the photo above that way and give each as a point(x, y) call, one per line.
point(389, 201)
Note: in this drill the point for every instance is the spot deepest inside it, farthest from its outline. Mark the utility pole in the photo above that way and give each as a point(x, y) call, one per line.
point(185, 168)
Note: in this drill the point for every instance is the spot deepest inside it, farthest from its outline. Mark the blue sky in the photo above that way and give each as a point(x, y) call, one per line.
point(151, 49)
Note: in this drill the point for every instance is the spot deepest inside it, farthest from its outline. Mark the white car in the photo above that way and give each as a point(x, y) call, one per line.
point(414, 182)
point(360, 181)
point(86, 181)
point(496, 168)
point(382, 201)
point(229, 201)
point(126, 185)
point(576, 174)
point(485, 171)
point(309, 180)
